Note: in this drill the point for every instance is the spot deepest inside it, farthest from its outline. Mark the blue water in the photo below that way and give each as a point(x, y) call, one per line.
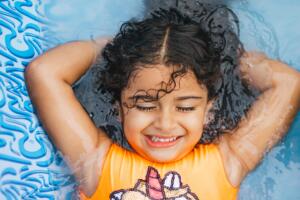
point(31, 168)
point(79, 19)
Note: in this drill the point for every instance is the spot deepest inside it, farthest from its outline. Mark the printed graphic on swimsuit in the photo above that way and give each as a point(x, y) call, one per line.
point(155, 188)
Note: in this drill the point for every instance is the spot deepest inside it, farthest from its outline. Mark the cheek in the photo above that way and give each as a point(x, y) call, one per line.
point(134, 122)
point(193, 123)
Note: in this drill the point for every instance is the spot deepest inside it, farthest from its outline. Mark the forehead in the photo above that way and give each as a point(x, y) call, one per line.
point(156, 76)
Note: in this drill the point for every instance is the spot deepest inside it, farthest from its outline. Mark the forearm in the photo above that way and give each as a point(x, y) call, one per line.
point(68, 62)
point(276, 108)
point(280, 101)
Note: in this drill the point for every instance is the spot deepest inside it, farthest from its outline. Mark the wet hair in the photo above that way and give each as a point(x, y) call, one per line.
point(205, 42)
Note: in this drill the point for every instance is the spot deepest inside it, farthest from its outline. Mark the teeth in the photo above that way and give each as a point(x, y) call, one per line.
point(158, 139)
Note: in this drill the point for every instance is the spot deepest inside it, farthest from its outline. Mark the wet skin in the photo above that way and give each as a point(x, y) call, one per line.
point(166, 129)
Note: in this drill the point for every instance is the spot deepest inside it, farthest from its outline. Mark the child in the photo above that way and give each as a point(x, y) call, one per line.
point(178, 88)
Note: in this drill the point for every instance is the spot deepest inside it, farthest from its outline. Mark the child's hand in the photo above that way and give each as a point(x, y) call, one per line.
point(264, 73)
point(256, 70)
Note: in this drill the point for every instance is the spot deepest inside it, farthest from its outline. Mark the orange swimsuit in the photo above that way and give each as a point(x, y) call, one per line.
point(198, 176)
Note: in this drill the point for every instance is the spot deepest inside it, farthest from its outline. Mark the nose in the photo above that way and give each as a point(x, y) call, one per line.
point(165, 120)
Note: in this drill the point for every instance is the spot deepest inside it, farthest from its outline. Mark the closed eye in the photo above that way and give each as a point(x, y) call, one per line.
point(151, 108)
point(185, 109)
point(145, 108)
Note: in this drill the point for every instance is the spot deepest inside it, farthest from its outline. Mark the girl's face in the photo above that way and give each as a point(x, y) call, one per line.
point(166, 129)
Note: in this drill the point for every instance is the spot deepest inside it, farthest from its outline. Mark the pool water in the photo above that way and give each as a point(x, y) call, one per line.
point(29, 164)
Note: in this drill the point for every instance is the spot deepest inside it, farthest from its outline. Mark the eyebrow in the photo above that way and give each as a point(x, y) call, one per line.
point(187, 97)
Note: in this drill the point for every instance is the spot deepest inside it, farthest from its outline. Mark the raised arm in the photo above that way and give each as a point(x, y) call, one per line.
point(49, 79)
point(267, 120)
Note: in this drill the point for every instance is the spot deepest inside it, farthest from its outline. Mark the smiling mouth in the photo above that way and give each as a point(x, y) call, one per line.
point(160, 142)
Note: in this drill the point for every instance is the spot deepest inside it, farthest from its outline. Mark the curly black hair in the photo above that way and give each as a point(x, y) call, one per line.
point(204, 41)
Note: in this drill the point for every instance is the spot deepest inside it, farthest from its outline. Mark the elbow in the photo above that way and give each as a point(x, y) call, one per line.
point(36, 77)
point(38, 71)
point(30, 69)
point(282, 73)
point(298, 91)
point(30, 72)
point(31, 76)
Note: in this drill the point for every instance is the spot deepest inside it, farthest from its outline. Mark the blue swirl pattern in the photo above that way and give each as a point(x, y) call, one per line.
point(31, 167)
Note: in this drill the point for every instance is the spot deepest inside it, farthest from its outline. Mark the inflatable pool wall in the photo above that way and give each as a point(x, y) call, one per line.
point(30, 166)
